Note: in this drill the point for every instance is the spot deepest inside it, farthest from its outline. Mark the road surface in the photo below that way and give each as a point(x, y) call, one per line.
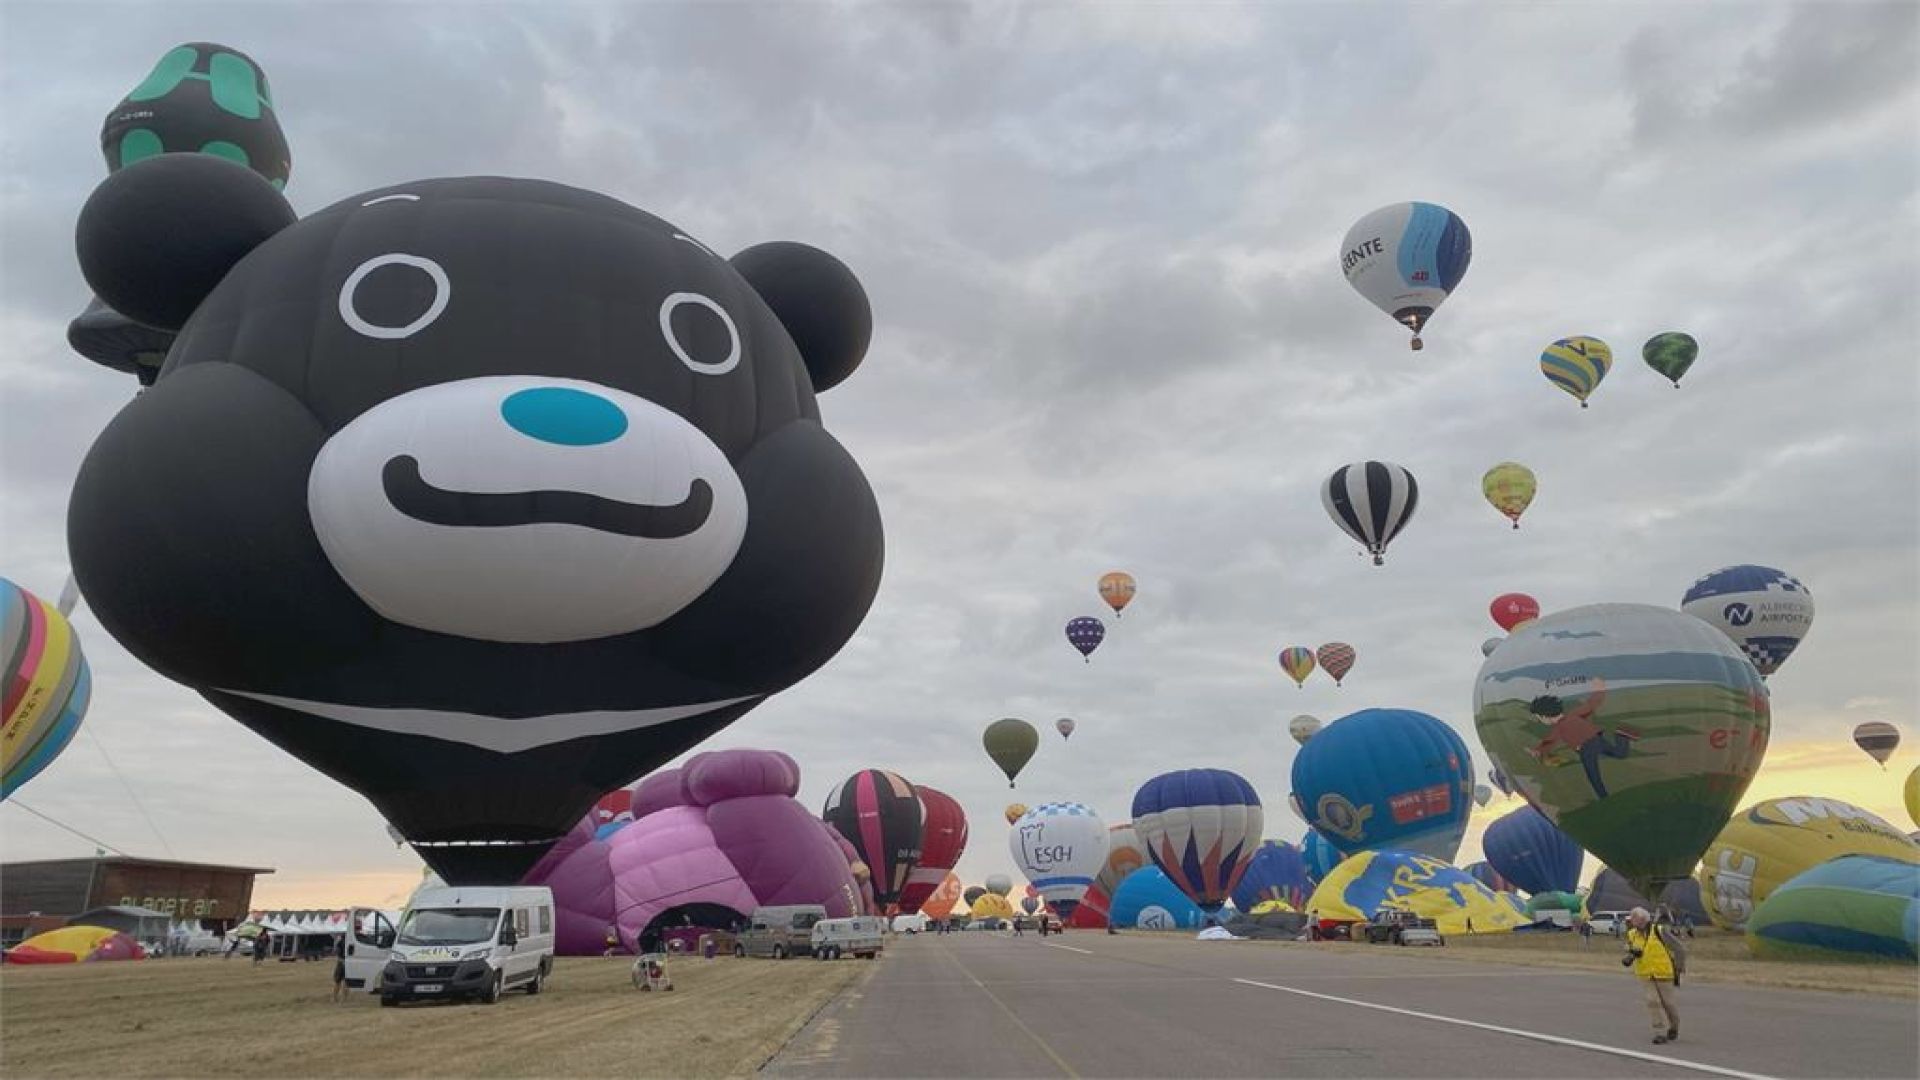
point(1089, 1004)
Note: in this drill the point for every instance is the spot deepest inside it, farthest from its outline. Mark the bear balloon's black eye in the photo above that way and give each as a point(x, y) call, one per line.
point(700, 333)
point(394, 296)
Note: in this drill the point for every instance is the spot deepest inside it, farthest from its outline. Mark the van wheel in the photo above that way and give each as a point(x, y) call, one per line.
point(533, 986)
point(740, 952)
point(492, 994)
point(386, 1001)
point(779, 952)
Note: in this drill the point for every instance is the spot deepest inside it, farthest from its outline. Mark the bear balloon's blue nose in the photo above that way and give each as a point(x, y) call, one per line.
point(564, 416)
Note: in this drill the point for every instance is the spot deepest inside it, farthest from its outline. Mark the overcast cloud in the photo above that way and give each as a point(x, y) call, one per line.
point(1101, 244)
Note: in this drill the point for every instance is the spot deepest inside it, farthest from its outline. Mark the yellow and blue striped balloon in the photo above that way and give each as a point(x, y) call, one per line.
point(1576, 365)
point(46, 685)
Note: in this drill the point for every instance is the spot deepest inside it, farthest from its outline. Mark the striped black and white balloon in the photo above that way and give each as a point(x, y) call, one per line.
point(1372, 501)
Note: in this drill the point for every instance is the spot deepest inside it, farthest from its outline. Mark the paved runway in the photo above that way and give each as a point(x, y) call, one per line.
point(1094, 1005)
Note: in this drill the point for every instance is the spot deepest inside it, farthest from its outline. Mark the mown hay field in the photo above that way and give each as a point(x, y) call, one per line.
point(214, 1017)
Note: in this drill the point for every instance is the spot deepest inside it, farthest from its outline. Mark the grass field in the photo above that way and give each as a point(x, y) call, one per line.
point(213, 1017)
point(1711, 957)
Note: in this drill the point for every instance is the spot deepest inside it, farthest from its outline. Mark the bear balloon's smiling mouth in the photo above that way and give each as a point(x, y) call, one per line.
point(412, 495)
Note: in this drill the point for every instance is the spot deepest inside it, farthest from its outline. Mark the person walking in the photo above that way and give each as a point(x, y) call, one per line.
point(1657, 958)
point(262, 944)
point(613, 940)
point(1586, 933)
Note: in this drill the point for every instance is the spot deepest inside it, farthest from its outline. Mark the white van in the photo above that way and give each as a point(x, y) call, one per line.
point(909, 924)
point(454, 942)
point(861, 935)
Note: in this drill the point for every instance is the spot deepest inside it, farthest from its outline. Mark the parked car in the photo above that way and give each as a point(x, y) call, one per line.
point(1402, 928)
point(779, 932)
point(861, 935)
point(1607, 922)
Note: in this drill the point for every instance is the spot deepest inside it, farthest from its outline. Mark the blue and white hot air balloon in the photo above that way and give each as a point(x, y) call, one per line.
point(1528, 850)
point(1406, 259)
point(1200, 826)
point(1060, 846)
point(1765, 611)
point(1387, 778)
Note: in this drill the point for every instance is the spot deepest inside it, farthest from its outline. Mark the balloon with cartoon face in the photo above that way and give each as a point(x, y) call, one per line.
point(482, 496)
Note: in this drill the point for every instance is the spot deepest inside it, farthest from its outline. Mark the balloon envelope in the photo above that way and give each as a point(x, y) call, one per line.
point(1766, 612)
point(1011, 743)
point(1375, 881)
point(1117, 589)
point(1406, 259)
point(1387, 778)
point(1201, 826)
point(1911, 794)
point(1487, 646)
point(46, 683)
point(1634, 728)
point(1124, 855)
point(1482, 794)
point(944, 898)
point(1303, 727)
point(1319, 855)
point(75, 945)
point(992, 906)
point(1064, 726)
point(1878, 738)
point(1510, 487)
point(973, 893)
point(1014, 810)
point(1336, 659)
point(1277, 871)
point(1576, 365)
point(1513, 609)
point(1085, 634)
point(1855, 905)
point(943, 838)
point(1060, 847)
point(1777, 839)
point(999, 884)
point(1297, 661)
point(1149, 900)
point(1371, 501)
point(1485, 874)
point(881, 815)
point(1526, 849)
point(1670, 354)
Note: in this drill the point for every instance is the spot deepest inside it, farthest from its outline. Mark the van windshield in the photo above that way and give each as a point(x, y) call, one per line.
point(805, 920)
point(448, 926)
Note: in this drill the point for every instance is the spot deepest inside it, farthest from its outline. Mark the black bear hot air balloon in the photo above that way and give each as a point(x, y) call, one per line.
point(479, 527)
point(881, 815)
point(201, 98)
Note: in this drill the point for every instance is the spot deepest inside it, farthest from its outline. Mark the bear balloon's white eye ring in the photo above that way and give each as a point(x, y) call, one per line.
point(667, 308)
point(442, 290)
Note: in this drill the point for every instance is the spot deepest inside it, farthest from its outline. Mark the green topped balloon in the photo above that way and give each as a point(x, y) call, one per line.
point(1671, 354)
point(1633, 728)
point(1011, 743)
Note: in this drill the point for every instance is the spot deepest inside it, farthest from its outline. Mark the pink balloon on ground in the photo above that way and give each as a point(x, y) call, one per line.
point(721, 832)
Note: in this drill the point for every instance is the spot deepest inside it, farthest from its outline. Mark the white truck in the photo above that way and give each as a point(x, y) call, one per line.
point(453, 942)
point(862, 935)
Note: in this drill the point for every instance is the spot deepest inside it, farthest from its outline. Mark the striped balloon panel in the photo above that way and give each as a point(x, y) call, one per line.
point(47, 685)
point(880, 814)
point(1201, 827)
point(1371, 500)
point(1337, 658)
point(1297, 662)
point(1576, 364)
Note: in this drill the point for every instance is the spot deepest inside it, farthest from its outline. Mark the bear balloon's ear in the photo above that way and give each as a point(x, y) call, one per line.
point(157, 236)
point(819, 301)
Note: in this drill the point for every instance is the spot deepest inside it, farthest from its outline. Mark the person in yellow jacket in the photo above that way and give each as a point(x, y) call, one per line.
point(1656, 956)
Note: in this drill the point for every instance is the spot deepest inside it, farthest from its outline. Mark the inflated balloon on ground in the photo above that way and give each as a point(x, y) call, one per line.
point(1635, 729)
point(46, 681)
point(508, 545)
point(1201, 827)
point(1771, 841)
point(1373, 881)
point(1387, 778)
point(1277, 871)
point(1852, 906)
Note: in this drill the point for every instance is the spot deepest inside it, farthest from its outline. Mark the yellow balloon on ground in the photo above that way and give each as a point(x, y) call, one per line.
point(1772, 841)
point(992, 906)
point(1365, 884)
point(1509, 486)
point(1913, 794)
point(1271, 907)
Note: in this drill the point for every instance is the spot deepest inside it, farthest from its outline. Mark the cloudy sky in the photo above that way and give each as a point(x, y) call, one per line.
point(1102, 249)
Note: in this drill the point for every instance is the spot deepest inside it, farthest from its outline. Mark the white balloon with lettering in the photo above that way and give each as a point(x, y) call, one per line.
point(1060, 847)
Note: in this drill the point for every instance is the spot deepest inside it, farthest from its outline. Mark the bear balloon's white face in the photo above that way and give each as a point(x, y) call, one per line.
point(522, 509)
